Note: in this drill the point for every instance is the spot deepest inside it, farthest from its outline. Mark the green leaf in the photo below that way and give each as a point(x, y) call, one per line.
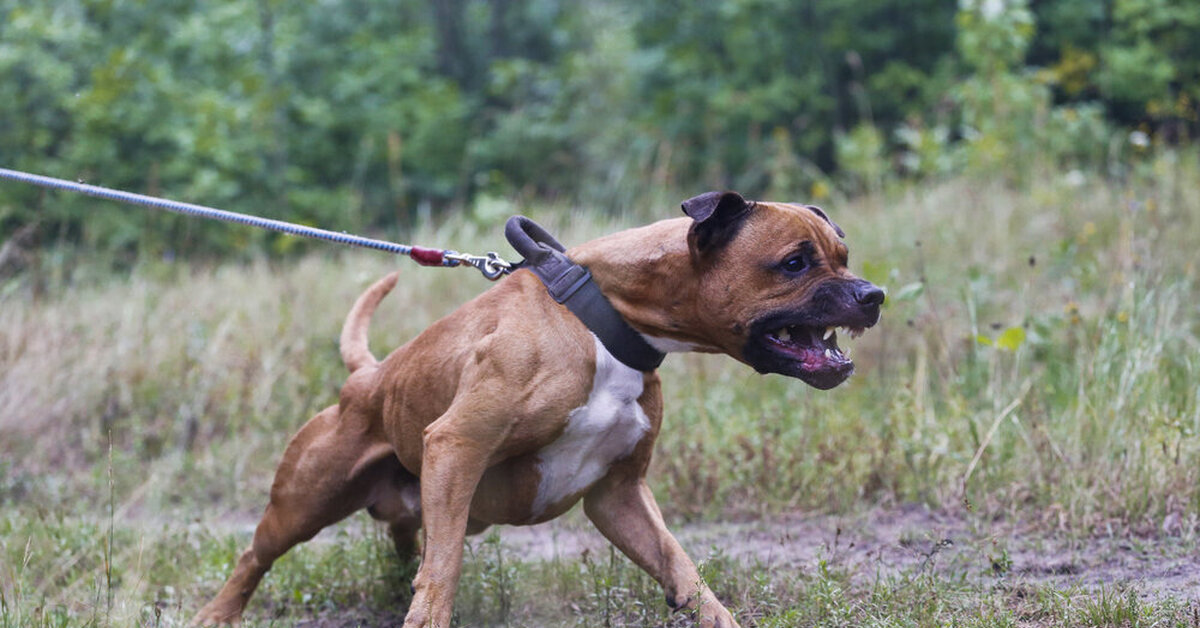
point(1011, 339)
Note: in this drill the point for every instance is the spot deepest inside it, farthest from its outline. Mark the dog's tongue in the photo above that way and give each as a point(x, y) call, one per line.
point(822, 354)
point(814, 349)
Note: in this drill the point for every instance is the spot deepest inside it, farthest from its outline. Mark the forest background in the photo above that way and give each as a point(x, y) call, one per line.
point(371, 116)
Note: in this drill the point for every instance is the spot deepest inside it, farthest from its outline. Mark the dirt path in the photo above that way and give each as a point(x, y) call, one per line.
point(893, 543)
point(909, 541)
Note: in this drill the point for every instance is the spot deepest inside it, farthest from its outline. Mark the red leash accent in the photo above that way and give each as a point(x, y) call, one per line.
point(427, 257)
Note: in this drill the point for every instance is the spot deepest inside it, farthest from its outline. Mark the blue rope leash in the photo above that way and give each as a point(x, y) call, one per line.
point(490, 265)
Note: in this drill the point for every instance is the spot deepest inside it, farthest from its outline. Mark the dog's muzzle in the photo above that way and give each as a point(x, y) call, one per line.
point(803, 343)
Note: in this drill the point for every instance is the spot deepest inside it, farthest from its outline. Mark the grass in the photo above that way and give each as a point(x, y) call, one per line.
point(1036, 370)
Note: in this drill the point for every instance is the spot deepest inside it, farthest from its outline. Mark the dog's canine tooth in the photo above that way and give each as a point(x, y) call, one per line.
point(783, 334)
point(828, 332)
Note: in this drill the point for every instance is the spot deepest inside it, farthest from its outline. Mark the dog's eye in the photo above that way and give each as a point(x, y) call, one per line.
point(795, 263)
point(801, 259)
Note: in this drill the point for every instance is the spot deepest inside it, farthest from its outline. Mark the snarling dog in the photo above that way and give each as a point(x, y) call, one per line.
point(510, 410)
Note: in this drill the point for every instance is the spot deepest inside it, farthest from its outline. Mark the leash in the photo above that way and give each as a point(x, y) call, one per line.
point(567, 282)
point(490, 265)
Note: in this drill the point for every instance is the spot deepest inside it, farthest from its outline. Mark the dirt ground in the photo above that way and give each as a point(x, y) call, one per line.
point(889, 543)
point(909, 541)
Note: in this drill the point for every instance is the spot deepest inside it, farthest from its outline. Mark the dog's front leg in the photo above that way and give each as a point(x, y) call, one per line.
point(454, 459)
point(623, 509)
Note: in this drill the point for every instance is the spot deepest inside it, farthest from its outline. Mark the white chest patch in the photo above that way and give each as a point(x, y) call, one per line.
point(598, 433)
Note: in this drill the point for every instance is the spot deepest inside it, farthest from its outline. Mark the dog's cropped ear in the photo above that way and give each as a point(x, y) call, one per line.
point(717, 216)
point(820, 212)
point(717, 205)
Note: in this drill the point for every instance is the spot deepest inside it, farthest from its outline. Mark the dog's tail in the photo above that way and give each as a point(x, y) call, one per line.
point(355, 352)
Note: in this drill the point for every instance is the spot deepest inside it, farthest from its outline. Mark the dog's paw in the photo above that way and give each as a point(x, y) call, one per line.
point(214, 614)
point(714, 615)
point(204, 620)
point(706, 609)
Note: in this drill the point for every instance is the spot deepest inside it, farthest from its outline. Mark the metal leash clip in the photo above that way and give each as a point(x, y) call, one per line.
point(490, 265)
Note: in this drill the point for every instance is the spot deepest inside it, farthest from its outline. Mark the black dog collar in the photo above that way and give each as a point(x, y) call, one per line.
point(571, 285)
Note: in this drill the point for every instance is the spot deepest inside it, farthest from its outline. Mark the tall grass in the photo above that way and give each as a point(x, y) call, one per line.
point(1075, 304)
point(1036, 361)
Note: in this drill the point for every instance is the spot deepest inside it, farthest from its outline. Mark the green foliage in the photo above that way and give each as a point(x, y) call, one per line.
point(1152, 62)
point(374, 117)
point(861, 154)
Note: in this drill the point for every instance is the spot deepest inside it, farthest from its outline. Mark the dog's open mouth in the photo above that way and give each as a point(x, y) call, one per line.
point(814, 348)
point(813, 353)
point(802, 341)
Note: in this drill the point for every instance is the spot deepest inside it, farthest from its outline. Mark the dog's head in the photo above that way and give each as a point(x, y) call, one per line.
point(775, 285)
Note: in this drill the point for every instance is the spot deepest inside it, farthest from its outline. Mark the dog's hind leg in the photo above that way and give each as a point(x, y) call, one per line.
point(329, 470)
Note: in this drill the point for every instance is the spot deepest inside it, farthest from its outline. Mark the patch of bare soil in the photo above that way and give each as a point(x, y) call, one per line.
point(884, 544)
point(910, 541)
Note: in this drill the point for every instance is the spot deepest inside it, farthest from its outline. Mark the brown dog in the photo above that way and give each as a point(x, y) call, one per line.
point(510, 411)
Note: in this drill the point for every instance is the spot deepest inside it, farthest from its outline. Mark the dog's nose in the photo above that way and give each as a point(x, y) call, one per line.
point(867, 293)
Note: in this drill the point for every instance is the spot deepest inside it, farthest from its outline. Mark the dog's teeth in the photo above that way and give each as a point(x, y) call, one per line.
point(828, 333)
point(784, 334)
point(828, 353)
